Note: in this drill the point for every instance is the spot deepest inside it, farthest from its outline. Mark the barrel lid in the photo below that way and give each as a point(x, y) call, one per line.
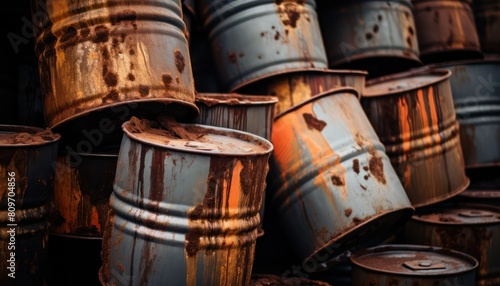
point(459, 214)
point(414, 260)
point(195, 138)
point(210, 99)
point(20, 135)
point(404, 82)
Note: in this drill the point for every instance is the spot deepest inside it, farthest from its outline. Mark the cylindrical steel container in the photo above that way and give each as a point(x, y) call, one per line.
point(279, 36)
point(470, 228)
point(185, 206)
point(100, 55)
point(484, 186)
point(269, 279)
point(294, 87)
point(446, 30)
point(475, 86)
point(82, 186)
point(332, 184)
point(414, 116)
point(377, 36)
point(487, 17)
point(409, 265)
point(253, 114)
point(27, 163)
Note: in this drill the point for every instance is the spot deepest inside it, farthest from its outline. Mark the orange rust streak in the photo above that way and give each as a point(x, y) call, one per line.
point(434, 116)
point(94, 221)
point(404, 125)
point(235, 189)
point(423, 114)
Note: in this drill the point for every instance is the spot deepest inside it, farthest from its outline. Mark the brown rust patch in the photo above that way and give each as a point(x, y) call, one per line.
point(167, 80)
point(368, 36)
point(337, 180)
point(277, 35)
point(101, 34)
point(131, 77)
point(69, 33)
point(84, 32)
point(111, 79)
point(105, 53)
point(124, 15)
point(233, 58)
point(120, 267)
point(143, 90)
point(376, 166)
point(112, 96)
point(356, 220)
point(348, 212)
point(180, 63)
point(355, 165)
point(314, 123)
point(293, 14)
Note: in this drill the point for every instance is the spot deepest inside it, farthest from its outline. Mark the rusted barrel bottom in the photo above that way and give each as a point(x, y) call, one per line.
point(375, 230)
point(378, 63)
point(441, 54)
point(100, 128)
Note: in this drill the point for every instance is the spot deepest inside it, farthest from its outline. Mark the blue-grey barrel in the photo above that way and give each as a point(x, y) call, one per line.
point(377, 36)
point(414, 117)
point(408, 264)
point(27, 164)
point(185, 209)
point(253, 39)
point(467, 227)
point(331, 183)
point(475, 87)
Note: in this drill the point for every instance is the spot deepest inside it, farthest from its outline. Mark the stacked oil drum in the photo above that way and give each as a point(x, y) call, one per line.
point(251, 142)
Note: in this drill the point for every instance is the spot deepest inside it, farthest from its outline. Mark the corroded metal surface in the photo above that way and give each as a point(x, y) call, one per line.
point(81, 194)
point(253, 114)
point(294, 87)
point(487, 17)
point(94, 55)
point(331, 183)
point(378, 36)
point(475, 86)
point(185, 212)
point(32, 164)
point(446, 27)
point(414, 117)
point(470, 228)
point(396, 264)
point(279, 36)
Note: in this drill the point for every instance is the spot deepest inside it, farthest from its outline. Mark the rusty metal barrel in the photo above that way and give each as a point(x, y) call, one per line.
point(475, 85)
point(82, 186)
point(399, 264)
point(185, 205)
point(97, 58)
point(377, 36)
point(487, 19)
point(331, 183)
point(294, 87)
point(279, 36)
point(27, 163)
point(446, 30)
point(470, 228)
point(414, 117)
point(253, 114)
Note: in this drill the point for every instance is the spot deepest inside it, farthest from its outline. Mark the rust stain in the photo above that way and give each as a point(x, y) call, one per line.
point(292, 12)
point(167, 80)
point(233, 57)
point(314, 123)
point(180, 63)
point(143, 90)
point(376, 166)
point(337, 181)
point(131, 77)
point(111, 79)
point(355, 166)
point(101, 34)
point(348, 212)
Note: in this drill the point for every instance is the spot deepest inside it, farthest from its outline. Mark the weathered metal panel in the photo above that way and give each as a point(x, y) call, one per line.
point(487, 19)
point(27, 160)
point(331, 183)
point(377, 36)
point(82, 186)
point(414, 117)
point(294, 87)
point(475, 86)
point(446, 30)
point(94, 55)
point(279, 36)
point(184, 211)
point(409, 265)
point(470, 228)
